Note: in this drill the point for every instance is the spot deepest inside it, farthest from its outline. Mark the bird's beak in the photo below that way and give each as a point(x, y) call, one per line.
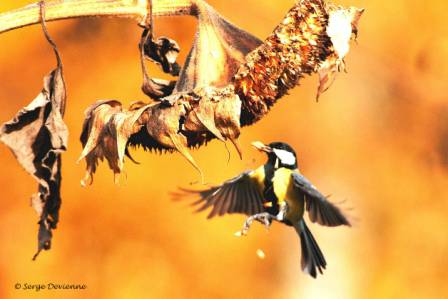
point(261, 147)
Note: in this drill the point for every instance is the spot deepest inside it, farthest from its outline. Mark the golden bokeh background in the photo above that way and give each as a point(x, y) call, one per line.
point(378, 139)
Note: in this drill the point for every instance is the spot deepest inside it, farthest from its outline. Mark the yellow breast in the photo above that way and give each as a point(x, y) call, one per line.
point(258, 177)
point(285, 191)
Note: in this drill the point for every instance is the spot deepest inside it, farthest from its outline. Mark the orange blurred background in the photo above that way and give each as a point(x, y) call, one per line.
point(377, 139)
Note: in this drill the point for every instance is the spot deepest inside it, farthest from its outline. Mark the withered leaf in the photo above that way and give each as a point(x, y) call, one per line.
point(163, 52)
point(327, 73)
point(106, 130)
point(342, 24)
point(217, 111)
point(37, 136)
point(164, 125)
point(218, 51)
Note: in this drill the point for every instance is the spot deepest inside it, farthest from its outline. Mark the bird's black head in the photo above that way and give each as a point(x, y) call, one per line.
point(280, 154)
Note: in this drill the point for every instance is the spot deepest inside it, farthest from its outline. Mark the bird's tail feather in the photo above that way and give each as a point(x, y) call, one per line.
point(313, 259)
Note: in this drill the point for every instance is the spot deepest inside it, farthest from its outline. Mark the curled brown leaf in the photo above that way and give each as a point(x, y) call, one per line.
point(37, 136)
point(105, 134)
point(162, 52)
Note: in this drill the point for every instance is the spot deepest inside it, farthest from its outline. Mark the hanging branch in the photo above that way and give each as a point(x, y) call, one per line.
point(68, 9)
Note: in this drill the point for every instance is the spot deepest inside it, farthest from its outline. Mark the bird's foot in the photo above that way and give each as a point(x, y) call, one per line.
point(264, 218)
point(282, 212)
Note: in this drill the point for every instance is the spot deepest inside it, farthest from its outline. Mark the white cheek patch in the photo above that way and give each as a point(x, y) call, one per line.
point(285, 157)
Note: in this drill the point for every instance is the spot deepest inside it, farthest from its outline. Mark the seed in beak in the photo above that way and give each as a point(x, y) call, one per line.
point(261, 147)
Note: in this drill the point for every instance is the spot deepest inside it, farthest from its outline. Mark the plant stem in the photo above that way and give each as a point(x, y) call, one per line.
point(66, 9)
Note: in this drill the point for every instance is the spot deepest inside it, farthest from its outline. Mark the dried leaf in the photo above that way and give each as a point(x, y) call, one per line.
point(327, 74)
point(165, 125)
point(217, 111)
point(356, 14)
point(227, 119)
point(218, 50)
point(342, 24)
point(163, 52)
point(105, 134)
point(37, 136)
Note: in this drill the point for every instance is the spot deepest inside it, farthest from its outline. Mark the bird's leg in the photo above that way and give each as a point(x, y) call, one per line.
point(264, 218)
point(282, 211)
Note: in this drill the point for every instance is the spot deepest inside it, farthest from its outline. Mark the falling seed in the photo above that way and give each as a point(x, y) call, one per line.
point(261, 254)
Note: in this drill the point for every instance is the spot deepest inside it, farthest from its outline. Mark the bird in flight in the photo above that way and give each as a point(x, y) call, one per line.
point(275, 191)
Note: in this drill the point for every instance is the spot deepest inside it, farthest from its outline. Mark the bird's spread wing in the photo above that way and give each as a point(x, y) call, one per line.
point(241, 194)
point(320, 210)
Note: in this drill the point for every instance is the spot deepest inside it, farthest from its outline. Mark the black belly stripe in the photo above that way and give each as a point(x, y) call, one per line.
point(268, 192)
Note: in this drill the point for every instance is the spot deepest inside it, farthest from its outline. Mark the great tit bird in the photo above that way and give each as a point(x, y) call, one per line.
point(275, 191)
